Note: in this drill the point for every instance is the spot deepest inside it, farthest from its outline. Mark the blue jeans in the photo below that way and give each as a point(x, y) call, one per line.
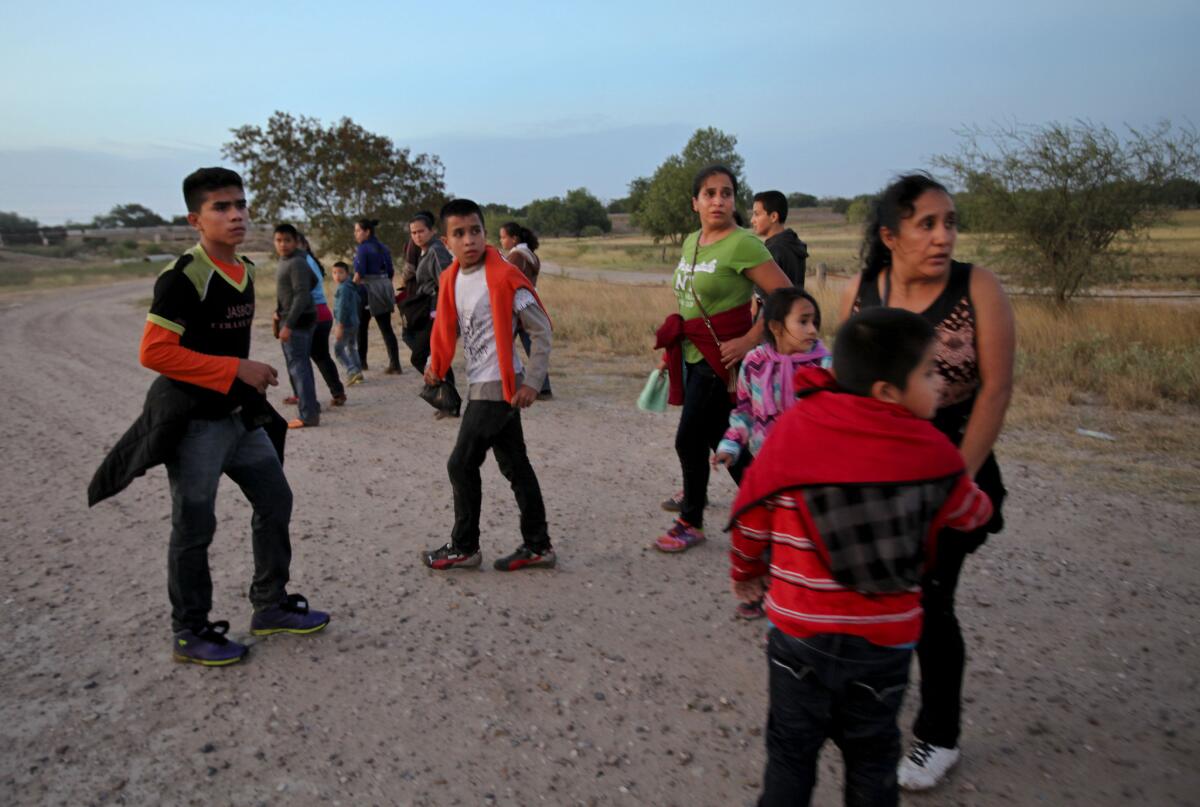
point(839, 687)
point(346, 349)
point(298, 352)
point(209, 449)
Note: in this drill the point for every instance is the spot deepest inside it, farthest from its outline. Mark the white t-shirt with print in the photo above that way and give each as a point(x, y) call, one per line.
point(475, 325)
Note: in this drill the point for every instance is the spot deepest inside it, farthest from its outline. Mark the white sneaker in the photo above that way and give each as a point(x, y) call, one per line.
point(926, 766)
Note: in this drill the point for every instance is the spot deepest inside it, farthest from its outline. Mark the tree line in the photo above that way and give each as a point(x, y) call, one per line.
point(1063, 203)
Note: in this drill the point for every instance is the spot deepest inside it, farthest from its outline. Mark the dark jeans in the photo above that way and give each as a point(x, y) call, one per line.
point(325, 363)
point(209, 449)
point(493, 425)
point(941, 653)
point(297, 350)
point(418, 342)
point(705, 417)
point(384, 321)
point(527, 343)
point(838, 687)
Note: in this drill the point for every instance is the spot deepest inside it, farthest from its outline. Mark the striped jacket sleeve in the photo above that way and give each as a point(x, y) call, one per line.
point(967, 508)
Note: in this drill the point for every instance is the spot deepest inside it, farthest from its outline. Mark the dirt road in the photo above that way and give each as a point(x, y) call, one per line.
point(620, 678)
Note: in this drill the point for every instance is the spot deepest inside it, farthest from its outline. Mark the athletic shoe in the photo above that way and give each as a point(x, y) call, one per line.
point(207, 646)
point(525, 558)
point(926, 766)
point(393, 371)
point(681, 537)
point(338, 400)
point(674, 504)
point(291, 400)
point(297, 423)
point(447, 557)
point(292, 615)
point(356, 378)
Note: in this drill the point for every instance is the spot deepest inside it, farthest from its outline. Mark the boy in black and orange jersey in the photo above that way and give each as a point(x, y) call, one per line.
point(204, 418)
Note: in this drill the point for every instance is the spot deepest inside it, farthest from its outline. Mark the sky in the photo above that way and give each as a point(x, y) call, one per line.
point(104, 104)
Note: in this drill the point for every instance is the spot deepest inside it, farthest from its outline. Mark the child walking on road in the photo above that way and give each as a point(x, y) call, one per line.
point(484, 299)
point(345, 323)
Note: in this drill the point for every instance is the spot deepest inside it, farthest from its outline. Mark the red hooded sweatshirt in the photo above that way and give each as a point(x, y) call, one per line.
point(849, 492)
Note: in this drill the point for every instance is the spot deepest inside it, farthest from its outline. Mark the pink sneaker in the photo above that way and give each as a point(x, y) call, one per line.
point(681, 537)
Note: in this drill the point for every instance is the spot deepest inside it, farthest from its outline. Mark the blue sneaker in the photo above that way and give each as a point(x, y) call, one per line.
point(207, 646)
point(292, 615)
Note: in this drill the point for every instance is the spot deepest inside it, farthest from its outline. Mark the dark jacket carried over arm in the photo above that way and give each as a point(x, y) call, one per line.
point(152, 438)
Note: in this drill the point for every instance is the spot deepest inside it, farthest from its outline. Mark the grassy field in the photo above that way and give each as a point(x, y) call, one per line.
point(1168, 259)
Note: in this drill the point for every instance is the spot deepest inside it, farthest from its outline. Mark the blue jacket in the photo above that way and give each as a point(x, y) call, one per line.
point(318, 291)
point(373, 258)
point(346, 303)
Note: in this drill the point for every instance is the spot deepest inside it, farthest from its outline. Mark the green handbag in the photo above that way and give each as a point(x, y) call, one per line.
point(654, 394)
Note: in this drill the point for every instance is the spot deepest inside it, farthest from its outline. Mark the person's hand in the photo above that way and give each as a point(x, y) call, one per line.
point(749, 590)
point(431, 377)
point(358, 278)
point(662, 363)
point(735, 350)
point(722, 459)
point(523, 397)
point(275, 317)
point(285, 333)
point(257, 374)
point(339, 331)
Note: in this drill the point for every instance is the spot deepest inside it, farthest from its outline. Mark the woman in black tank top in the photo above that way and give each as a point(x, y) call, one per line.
point(908, 263)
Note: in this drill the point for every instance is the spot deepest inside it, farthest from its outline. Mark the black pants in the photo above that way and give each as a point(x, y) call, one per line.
point(493, 425)
point(208, 450)
point(418, 342)
point(705, 417)
point(325, 363)
point(837, 687)
point(384, 321)
point(941, 652)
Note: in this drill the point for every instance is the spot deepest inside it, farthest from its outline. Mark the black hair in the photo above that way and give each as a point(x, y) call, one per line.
point(524, 235)
point(879, 344)
point(426, 217)
point(779, 304)
point(897, 202)
point(303, 239)
point(368, 225)
point(710, 171)
point(738, 219)
point(773, 202)
point(198, 184)
point(341, 265)
point(460, 207)
point(288, 229)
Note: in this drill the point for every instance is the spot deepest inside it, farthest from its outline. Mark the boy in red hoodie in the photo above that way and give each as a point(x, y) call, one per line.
point(483, 298)
point(849, 492)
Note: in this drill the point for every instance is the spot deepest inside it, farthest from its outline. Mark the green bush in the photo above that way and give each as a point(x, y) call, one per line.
point(591, 231)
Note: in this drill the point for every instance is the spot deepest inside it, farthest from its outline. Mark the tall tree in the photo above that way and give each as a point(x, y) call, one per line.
point(1066, 202)
point(130, 215)
point(331, 176)
point(665, 208)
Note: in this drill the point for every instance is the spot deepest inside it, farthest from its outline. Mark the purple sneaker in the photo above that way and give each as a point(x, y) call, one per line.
point(292, 615)
point(207, 646)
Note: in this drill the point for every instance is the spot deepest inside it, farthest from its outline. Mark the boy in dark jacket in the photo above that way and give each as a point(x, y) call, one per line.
point(296, 315)
point(850, 527)
point(769, 213)
point(197, 335)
